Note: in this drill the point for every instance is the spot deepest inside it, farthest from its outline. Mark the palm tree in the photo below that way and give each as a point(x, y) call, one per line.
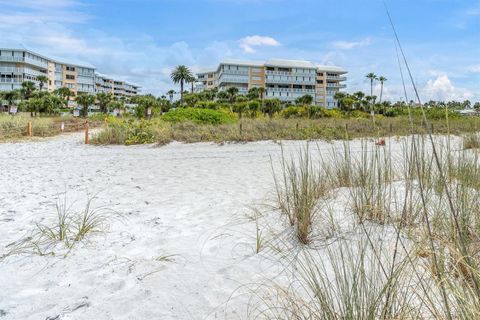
point(261, 92)
point(372, 76)
point(42, 80)
point(28, 87)
point(192, 81)
point(64, 93)
point(103, 100)
point(11, 97)
point(85, 101)
point(170, 94)
point(382, 80)
point(232, 93)
point(181, 74)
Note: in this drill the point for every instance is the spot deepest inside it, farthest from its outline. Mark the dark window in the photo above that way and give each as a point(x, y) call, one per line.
point(70, 77)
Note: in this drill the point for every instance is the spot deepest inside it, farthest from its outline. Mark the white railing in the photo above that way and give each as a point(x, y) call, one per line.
point(336, 85)
point(336, 78)
point(242, 72)
point(270, 80)
point(290, 73)
point(292, 90)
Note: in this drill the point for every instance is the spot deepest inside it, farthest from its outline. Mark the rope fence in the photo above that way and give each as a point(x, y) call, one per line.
point(39, 129)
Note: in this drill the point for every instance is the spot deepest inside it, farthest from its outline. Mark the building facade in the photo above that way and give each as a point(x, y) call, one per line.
point(116, 87)
point(286, 80)
point(19, 65)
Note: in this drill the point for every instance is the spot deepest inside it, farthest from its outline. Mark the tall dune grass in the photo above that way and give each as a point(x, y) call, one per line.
point(425, 205)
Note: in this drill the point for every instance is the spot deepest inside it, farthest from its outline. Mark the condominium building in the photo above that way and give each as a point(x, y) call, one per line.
point(116, 87)
point(286, 80)
point(19, 65)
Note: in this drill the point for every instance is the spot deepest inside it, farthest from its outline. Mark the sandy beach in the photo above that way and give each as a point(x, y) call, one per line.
point(181, 247)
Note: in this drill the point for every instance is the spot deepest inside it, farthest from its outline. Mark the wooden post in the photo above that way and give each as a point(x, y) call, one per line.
point(86, 133)
point(29, 129)
point(391, 128)
point(241, 128)
point(431, 128)
point(296, 126)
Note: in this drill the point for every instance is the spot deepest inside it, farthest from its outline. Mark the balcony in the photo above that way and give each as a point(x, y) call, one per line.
point(292, 90)
point(289, 73)
point(241, 72)
point(290, 81)
point(337, 78)
point(336, 85)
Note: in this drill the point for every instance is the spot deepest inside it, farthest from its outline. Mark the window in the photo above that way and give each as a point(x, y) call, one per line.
point(320, 74)
point(70, 68)
point(256, 70)
point(70, 77)
point(256, 78)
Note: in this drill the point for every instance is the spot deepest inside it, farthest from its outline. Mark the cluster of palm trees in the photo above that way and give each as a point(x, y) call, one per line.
point(373, 77)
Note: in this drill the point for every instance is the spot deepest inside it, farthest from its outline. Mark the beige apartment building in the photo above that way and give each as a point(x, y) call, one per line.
point(286, 80)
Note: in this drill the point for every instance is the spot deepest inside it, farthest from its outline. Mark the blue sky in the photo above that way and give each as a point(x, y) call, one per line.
point(141, 41)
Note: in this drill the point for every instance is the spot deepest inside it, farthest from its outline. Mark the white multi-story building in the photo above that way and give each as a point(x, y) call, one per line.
point(20, 65)
point(116, 87)
point(286, 80)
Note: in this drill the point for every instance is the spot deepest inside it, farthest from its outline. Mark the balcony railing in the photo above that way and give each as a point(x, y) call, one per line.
point(336, 85)
point(290, 81)
point(336, 78)
point(290, 73)
point(292, 90)
point(242, 72)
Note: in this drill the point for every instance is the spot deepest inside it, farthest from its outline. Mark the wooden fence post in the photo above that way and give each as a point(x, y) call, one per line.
point(241, 128)
point(29, 129)
point(86, 133)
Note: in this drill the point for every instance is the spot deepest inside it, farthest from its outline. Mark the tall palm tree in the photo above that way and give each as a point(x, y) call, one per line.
point(261, 93)
point(192, 81)
point(42, 80)
point(181, 74)
point(382, 80)
point(372, 76)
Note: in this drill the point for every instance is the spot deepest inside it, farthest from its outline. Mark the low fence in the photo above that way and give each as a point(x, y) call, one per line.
point(13, 130)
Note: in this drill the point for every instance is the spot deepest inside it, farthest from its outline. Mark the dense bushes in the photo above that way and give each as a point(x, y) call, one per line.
point(199, 116)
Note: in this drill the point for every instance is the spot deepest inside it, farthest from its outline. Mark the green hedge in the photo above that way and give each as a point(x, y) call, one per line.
point(199, 116)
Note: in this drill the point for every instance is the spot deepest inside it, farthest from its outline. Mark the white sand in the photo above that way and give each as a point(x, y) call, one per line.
point(186, 200)
point(190, 201)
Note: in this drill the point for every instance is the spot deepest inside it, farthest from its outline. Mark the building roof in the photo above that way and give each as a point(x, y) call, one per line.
point(106, 77)
point(290, 63)
point(77, 63)
point(279, 63)
point(331, 68)
point(249, 63)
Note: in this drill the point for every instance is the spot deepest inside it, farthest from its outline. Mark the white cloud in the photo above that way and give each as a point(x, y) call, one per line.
point(248, 43)
point(347, 45)
point(474, 69)
point(442, 88)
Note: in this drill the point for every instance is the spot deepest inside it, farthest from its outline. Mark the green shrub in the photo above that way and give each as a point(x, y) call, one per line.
point(207, 105)
point(293, 112)
point(199, 116)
